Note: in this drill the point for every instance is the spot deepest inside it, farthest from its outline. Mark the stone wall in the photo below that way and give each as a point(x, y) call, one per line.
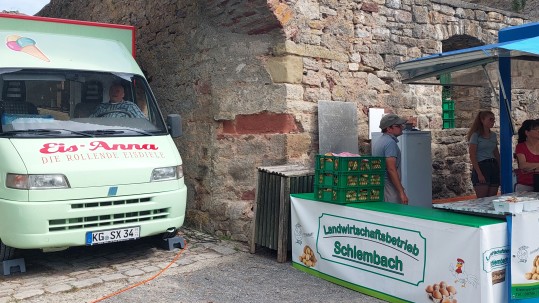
point(246, 77)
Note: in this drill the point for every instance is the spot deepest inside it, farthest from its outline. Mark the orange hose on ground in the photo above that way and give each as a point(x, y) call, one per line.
point(144, 281)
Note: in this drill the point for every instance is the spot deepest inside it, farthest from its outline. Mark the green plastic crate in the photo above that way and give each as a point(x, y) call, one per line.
point(349, 194)
point(361, 164)
point(371, 194)
point(449, 123)
point(323, 193)
point(448, 114)
point(358, 179)
point(350, 164)
point(448, 105)
point(371, 179)
point(349, 179)
point(323, 178)
point(324, 163)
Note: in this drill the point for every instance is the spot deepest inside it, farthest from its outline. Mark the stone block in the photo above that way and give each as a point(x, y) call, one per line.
point(54, 289)
point(86, 282)
point(174, 242)
point(353, 67)
point(289, 48)
point(495, 17)
point(323, 53)
point(285, 69)
point(393, 3)
point(373, 60)
point(297, 145)
point(197, 218)
point(283, 13)
point(480, 15)
point(15, 264)
point(294, 92)
point(134, 272)
point(420, 14)
point(28, 294)
point(403, 16)
point(370, 7)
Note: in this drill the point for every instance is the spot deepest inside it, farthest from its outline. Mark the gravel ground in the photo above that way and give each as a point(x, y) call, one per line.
point(244, 278)
point(241, 277)
point(209, 270)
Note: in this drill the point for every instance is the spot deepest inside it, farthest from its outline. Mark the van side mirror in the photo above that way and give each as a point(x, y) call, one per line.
point(174, 124)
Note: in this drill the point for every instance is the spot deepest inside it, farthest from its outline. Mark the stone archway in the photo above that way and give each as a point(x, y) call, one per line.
point(460, 42)
point(471, 91)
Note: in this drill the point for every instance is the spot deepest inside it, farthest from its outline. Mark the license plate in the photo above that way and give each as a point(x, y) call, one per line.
point(112, 235)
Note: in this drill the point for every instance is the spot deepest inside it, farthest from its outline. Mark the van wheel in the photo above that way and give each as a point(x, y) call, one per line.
point(6, 252)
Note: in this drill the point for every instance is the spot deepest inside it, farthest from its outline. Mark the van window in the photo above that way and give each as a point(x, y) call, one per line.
point(37, 103)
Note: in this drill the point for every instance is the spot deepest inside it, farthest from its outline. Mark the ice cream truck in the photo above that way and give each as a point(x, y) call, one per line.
point(86, 156)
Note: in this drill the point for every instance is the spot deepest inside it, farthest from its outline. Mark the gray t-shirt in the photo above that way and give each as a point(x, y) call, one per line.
point(386, 146)
point(485, 146)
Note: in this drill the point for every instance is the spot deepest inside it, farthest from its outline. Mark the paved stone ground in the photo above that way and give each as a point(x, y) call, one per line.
point(208, 270)
point(86, 267)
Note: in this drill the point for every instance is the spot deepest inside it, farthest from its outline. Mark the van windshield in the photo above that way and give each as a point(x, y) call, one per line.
point(67, 103)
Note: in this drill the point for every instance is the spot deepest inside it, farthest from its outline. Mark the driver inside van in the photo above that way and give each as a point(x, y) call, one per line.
point(117, 107)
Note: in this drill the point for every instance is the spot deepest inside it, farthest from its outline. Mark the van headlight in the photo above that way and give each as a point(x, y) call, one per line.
point(167, 173)
point(20, 181)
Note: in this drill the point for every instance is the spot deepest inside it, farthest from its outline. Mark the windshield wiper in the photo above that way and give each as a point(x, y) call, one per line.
point(102, 132)
point(85, 133)
point(139, 131)
point(115, 131)
point(41, 132)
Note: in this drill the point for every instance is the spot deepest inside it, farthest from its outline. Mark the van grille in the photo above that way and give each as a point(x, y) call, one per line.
point(108, 220)
point(109, 203)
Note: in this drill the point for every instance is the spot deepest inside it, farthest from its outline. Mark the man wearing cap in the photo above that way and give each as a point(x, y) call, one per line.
point(386, 146)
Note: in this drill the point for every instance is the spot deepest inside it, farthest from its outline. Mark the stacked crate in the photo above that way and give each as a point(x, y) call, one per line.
point(349, 179)
point(448, 113)
point(448, 105)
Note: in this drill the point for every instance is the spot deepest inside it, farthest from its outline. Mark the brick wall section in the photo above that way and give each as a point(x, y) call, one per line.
point(262, 123)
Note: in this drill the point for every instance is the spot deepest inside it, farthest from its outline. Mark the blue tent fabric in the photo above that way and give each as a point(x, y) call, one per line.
point(529, 45)
point(434, 65)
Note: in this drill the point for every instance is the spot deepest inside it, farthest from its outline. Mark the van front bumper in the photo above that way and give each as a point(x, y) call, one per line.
point(50, 224)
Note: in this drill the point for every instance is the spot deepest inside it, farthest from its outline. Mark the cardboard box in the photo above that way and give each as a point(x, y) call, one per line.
point(502, 205)
point(508, 207)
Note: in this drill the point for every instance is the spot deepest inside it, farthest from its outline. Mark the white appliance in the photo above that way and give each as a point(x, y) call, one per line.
point(416, 165)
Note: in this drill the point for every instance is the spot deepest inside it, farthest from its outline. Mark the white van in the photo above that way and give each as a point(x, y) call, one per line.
point(80, 164)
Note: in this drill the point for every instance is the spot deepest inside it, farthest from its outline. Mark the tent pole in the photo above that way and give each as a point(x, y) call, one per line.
point(506, 185)
point(505, 101)
point(506, 127)
point(490, 82)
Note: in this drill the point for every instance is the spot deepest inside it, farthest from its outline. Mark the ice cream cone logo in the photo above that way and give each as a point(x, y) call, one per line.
point(26, 45)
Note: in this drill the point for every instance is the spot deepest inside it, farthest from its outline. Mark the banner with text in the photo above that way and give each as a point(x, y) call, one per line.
point(525, 256)
point(411, 259)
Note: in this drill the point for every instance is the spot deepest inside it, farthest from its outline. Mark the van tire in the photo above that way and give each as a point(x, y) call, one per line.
point(6, 252)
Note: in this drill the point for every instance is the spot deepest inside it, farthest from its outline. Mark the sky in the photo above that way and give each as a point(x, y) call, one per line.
point(28, 7)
